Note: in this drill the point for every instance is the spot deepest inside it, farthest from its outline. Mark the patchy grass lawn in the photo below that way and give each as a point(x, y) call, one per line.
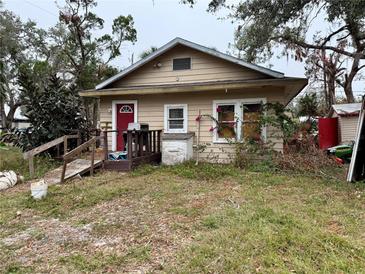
point(186, 219)
point(11, 158)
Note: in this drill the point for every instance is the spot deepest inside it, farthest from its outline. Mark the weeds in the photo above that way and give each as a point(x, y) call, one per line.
point(60, 202)
point(17, 268)
point(91, 263)
point(307, 159)
point(310, 160)
point(203, 171)
point(189, 170)
point(143, 170)
point(106, 262)
point(11, 158)
point(188, 219)
point(266, 240)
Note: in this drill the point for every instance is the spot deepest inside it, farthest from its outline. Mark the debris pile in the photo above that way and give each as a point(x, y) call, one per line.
point(9, 179)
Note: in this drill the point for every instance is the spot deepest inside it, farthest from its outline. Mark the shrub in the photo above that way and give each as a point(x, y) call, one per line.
point(305, 157)
point(248, 154)
point(53, 110)
point(301, 153)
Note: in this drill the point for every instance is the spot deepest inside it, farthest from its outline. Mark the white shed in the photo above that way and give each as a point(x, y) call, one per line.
point(348, 115)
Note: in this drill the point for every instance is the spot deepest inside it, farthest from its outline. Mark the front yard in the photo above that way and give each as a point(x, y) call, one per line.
point(210, 219)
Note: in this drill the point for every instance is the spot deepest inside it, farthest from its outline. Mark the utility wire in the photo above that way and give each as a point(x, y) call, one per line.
point(34, 5)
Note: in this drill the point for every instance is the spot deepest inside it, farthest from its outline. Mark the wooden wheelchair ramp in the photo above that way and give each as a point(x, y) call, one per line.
point(74, 168)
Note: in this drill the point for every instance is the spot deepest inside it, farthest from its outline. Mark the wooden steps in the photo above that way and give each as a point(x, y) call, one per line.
point(74, 168)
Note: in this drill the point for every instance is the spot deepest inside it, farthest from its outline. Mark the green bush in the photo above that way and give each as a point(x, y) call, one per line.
point(53, 110)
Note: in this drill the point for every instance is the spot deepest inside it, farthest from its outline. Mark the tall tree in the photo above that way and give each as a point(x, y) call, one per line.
point(88, 56)
point(20, 44)
point(287, 22)
point(327, 71)
point(83, 56)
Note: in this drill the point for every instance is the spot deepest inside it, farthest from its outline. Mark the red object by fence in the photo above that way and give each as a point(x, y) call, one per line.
point(328, 132)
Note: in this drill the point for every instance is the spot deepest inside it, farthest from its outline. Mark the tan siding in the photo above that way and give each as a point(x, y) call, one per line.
point(205, 68)
point(348, 127)
point(151, 111)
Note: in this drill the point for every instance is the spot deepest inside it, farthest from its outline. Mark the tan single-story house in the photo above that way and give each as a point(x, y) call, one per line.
point(348, 116)
point(178, 87)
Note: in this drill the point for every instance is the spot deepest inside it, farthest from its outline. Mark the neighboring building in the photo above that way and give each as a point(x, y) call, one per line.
point(169, 88)
point(19, 123)
point(348, 115)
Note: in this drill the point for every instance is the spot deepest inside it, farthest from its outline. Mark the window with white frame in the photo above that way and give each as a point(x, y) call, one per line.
point(238, 120)
point(176, 118)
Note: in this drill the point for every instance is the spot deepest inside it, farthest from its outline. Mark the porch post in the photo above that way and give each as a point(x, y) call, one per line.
point(140, 141)
point(105, 141)
point(159, 141)
point(154, 141)
point(129, 148)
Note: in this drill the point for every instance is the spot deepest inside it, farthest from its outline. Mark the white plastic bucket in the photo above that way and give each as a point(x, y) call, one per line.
point(39, 189)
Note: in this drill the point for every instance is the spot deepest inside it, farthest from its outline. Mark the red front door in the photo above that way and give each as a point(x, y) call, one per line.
point(125, 115)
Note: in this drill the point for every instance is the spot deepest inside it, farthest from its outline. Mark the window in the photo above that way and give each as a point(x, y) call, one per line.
point(227, 121)
point(126, 109)
point(176, 118)
point(181, 63)
point(238, 120)
point(251, 114)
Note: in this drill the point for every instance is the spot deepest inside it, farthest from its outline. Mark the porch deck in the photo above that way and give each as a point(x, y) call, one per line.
point(143, 147)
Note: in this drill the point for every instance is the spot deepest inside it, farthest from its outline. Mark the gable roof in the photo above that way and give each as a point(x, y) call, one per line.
point(180, 41)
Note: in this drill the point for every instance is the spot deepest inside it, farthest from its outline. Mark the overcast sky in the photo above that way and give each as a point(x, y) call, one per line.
point(156, 22)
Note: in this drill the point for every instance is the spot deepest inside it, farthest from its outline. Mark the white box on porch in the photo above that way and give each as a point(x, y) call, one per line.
point(177, 148)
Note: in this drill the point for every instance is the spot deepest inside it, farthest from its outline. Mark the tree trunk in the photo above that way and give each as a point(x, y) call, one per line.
point(330, 82)
point(2, 116)
point(348, 92)
point(331, 90)
point(10, 117)
point(349, 78)
point(325, 90)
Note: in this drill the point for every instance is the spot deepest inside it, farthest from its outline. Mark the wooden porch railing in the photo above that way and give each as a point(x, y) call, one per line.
point(29, 155)
point(139, 143)
point(68, 157)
